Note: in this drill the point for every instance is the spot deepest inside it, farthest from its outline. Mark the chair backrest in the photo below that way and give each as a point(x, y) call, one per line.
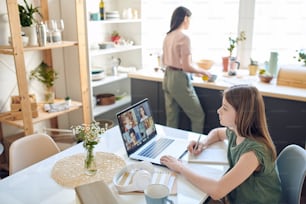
point(291, 164)
point(30, 149)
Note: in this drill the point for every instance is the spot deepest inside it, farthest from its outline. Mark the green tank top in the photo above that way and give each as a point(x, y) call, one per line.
point(261, 187)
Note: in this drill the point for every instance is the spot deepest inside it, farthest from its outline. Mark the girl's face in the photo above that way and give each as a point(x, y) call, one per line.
point(227, 114)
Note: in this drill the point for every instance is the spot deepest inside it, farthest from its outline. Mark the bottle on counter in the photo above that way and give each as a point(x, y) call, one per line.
point(273, 63)
point(101, 9)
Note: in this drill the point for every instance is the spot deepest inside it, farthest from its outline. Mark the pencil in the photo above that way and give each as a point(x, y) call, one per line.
point(197, 144)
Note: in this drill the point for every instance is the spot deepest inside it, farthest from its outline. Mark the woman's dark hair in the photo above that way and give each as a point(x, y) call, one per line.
point(178, 17)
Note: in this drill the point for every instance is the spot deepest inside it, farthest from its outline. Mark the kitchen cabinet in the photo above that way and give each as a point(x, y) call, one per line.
point(17, 51)
point(129, 50)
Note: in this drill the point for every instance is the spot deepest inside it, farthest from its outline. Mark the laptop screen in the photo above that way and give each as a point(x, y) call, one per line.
point(136, 125)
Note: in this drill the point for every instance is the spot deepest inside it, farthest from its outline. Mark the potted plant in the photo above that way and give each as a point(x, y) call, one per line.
point(27, 13)
point(301, 56)
point(253, 67)
point(233, 42)
point(46, 75)
point(115, 37)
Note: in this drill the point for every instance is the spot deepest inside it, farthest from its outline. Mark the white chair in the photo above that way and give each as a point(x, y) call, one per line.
point(30, 149)
point(291, 164)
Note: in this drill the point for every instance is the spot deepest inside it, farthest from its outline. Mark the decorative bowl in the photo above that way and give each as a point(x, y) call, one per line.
point(106, 45)
point(205, 63)
point(212, 78)
point(265, 78)
point(97, 74)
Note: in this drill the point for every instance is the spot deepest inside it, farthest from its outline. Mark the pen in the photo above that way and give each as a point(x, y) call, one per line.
point(197, 144)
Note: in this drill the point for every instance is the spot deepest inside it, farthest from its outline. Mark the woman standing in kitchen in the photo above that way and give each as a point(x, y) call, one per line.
point(177, 86)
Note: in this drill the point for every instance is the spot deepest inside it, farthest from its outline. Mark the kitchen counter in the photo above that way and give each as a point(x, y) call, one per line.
point(223, 81)
point(285, 106)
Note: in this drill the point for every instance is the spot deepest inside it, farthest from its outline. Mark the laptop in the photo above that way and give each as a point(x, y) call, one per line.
point(140, 138)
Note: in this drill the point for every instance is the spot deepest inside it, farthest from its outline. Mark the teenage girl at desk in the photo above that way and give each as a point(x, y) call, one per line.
point(252, 175)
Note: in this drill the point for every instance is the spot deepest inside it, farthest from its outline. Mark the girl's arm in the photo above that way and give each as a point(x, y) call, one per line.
point(217, 189)
point(215, 135)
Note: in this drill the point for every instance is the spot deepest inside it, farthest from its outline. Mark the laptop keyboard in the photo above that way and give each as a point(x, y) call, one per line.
point(156, 147)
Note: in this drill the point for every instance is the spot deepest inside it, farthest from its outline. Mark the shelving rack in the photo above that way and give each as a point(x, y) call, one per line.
point(17, 51)
point(131, 55)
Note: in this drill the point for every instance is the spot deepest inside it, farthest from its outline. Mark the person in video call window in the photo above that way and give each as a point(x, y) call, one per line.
point(142, 113)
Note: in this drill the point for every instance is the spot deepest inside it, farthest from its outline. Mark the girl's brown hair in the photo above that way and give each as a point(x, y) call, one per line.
point(250, 114)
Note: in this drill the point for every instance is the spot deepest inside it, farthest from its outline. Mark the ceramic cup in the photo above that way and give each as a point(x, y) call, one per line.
point(157, 194)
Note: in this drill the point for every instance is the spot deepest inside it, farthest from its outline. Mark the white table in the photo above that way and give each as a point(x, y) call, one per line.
point(34, 185)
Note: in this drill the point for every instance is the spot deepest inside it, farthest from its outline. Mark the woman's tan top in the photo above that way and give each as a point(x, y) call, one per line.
point(176, 44)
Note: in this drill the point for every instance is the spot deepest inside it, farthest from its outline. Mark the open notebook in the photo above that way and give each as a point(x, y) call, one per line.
point(213, 154)
point(140, 138)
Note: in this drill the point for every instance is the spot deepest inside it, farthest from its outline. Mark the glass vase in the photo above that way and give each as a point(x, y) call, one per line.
point(49, 95)
point(90, 162)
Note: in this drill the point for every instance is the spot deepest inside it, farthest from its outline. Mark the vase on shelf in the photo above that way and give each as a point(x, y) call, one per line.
point(31, 32)
point(49, 95)
point(90, 162)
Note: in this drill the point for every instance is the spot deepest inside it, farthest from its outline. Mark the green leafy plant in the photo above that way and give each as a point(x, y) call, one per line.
point(253, 62)
point(234, 41)
point(301, 56)
point(45, 74)
point(27, 14)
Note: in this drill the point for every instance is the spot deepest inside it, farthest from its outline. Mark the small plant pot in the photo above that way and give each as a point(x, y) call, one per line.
point(253, 70)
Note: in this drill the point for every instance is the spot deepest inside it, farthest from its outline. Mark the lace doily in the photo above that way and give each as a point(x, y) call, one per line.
point(69, 171)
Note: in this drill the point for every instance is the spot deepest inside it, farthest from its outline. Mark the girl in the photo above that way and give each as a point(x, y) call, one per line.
point(252, 176)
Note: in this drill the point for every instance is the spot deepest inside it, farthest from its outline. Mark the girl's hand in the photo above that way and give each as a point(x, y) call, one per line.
point(192, 145)
point(172, 163)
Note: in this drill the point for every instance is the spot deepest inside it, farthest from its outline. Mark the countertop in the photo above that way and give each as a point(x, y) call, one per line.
point(224, 81)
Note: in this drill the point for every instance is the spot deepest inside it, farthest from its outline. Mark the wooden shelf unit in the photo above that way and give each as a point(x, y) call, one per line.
point(17, 51)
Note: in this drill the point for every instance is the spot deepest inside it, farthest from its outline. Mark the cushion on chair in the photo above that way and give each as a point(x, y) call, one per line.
point(291, 164)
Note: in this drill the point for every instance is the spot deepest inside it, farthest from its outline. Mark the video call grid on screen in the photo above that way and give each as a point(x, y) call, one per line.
point(136, 125)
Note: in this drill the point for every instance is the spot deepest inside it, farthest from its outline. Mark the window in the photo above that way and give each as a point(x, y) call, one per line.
point(212, 22)
point(279, 26)
point(276, 26)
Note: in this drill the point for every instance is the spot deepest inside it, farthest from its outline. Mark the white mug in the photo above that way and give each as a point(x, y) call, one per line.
point(157, 194)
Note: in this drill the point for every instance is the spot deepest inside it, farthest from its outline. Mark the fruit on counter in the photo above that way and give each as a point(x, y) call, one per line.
point(205, 78)
point(264, 72)
point(265, 76)
point(212, 78)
